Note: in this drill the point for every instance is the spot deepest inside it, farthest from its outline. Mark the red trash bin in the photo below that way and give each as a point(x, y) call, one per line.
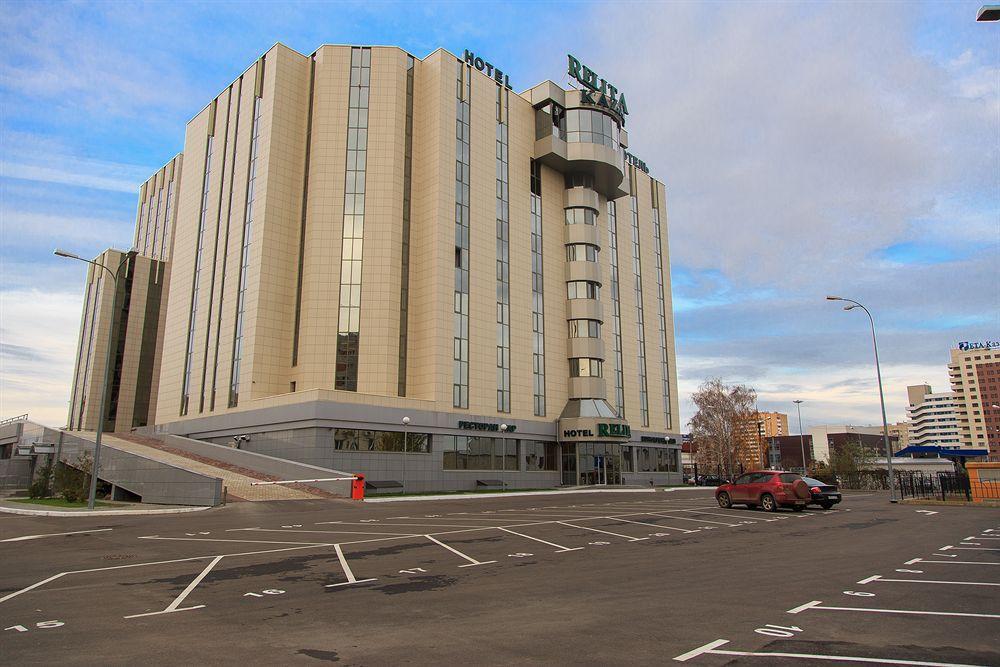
point(358, 487)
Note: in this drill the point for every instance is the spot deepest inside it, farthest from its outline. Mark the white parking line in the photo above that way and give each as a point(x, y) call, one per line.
point(560, 547)
point(815, 604)
point(712, 647)
point(914, 561)
point(351, 579)
point(606, 532)
point(174, 606)
point(684, 518)
point(876, 577)
point(24, 538)
point(472, 561)
point(654, 525)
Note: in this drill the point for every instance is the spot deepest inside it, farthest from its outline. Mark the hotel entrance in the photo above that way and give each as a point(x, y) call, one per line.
point(599, 463)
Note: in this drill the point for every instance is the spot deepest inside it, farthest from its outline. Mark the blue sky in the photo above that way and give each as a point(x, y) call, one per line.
point(807, 149)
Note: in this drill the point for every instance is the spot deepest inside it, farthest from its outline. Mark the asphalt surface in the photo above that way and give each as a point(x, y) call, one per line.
point(609, 578)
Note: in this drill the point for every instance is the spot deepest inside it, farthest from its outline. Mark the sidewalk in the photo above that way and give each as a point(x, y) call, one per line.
point(112, 509)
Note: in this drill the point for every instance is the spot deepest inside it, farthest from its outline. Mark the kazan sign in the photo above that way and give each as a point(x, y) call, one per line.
point(597, 91)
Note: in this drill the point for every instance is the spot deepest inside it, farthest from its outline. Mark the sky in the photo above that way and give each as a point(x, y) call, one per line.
point(807, 149)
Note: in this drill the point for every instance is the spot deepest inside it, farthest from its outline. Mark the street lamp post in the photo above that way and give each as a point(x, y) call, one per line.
point(881, 394)
point(406, 449)
point(107, 367)
point(503, 458)
point(802, 439)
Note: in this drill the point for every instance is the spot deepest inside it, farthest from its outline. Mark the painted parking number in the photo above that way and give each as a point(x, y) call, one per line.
point(778, 630)
point(43, 625)
point(266, 591)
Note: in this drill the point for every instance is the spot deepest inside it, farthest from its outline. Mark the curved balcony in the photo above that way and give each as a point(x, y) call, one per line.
point(592, 348)
point(588, 387)
point(583, 271)
point(583, 234)
point(584, 309)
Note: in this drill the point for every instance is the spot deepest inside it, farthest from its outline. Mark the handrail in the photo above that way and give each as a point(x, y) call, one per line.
point(13, 420)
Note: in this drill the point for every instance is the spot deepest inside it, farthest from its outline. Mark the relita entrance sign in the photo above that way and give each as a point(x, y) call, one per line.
point(597, 91)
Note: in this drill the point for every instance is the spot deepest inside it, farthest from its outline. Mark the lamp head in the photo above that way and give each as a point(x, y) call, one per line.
point(851, 307)
point(65, 253)
point(834, 298)
point(503, 428)
point(406, 420)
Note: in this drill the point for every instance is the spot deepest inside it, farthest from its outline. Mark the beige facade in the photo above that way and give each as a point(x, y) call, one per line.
point(125, 315)
point(294, 280)
point(974, 372)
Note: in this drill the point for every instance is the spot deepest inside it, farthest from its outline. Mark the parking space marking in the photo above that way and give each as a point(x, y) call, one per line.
point(351, 579)
point(560, 547)
point(24, 538)
point(877, 577)
point(176, 604)
point(332, 532)
point(219, 539)
point(472, 561)
point(815, 604)
point(33, 586)
point(914, 561)
point(654, 525)
point(713, 648)
point(606, 532)
point(684, 518)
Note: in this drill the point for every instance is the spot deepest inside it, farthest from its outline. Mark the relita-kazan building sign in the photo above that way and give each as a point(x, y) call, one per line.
point(400, 266)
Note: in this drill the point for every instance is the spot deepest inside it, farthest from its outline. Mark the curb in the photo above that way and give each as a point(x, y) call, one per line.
point(510, 494)
point(31, 512)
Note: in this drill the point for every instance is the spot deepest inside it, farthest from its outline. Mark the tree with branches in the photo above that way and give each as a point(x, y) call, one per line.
point(719, 425)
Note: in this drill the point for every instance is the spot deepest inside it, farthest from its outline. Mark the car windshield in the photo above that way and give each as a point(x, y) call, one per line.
point(789, 477)
point(813, 482)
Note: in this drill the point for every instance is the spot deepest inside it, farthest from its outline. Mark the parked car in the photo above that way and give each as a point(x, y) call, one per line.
point(823, 494)
point(768, 489)
point(711, 480)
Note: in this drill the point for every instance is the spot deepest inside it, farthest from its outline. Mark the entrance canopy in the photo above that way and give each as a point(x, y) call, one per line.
point(944, 452)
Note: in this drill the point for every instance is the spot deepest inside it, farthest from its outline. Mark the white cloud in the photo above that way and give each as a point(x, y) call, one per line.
point(37, 348)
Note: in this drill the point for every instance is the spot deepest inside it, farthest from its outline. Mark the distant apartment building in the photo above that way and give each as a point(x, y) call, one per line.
point(785, 452)
point(900, 431)
point(753, 436)
point(829, 438)
point(974, 372)
point(933, 418)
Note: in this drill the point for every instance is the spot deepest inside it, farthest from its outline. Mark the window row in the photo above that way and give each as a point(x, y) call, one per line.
point(581, 216)
point(583, 289)
point(359, 440)
point(585, 367)
point(589, 126)
point(581, 252)
point(584, 329)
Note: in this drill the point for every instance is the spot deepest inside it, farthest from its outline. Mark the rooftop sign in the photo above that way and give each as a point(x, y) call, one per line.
point(597, 91)
point(965, 346)
point(494, 72)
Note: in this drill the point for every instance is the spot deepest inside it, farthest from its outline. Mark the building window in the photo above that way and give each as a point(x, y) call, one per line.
point(661, 307)
point(539, 455)
point(584, 367)
point(359, 440)
point(584, 329)
point(640, 322)
point(156, 219)
point(404, 280)
point(196, 278)
point(503, 250)
point(241, 288)
point(594, 127)
point(166, 220)
point(616, 310)
point(462, 452)
point(537, 293)
point(581, 252)
point(583, 289)
point(581, 216)
point(460, 364)
point(349, 320)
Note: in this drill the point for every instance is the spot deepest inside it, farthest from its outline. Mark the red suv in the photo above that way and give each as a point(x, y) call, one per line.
point(770, 489)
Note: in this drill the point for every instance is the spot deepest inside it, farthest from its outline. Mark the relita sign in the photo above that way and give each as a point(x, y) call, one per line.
point(965, 346)
point(603, 431)
point(597, 91)
point(483, 66)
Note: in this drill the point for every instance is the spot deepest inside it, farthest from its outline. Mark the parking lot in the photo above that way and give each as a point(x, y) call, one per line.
point(593, 578)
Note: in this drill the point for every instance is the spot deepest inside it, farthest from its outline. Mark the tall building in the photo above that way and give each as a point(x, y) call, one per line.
point(974, 372)
point(933, 419)
point(900, 431)
point(753, 436)
point(775, 424)
point(126, 303)
point(402, 267)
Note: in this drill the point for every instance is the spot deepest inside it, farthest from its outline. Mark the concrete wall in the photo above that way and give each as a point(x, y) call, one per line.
point(281, 468)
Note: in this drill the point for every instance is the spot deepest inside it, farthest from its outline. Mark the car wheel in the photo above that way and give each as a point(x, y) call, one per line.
point(826, 506)
point(798, 508)
point(725, 502)
point(767, 503)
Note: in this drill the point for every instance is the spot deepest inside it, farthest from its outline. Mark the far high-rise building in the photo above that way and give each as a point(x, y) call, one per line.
point(974, 372)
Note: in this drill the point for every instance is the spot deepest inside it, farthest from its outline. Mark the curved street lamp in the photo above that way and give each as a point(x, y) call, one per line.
point(107, 366)
point(881, 395)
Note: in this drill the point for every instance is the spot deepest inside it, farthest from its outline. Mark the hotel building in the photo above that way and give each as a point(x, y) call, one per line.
point(402, 267)
point(974, 372)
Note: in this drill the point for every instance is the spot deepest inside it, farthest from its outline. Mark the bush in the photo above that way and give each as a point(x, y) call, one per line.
point(41, 486)
point(73, 483)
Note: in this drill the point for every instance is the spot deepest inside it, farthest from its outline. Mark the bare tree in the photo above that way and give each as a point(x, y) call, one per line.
point(719, 426)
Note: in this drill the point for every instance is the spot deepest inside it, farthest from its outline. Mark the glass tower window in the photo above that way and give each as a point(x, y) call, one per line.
point(581, 252)
point(241, 288)
point(349, 321)
point(584, 329)
point(537, 293)
point(616, 310)
point(584, 367)
point(460, 367)
point(583, 289)
point(594, 127)
point(640, 323)
point(503, 251)
point(581, 216)
point(661, 304)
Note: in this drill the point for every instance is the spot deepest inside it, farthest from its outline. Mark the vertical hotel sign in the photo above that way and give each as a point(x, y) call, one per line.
point(597, 91)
